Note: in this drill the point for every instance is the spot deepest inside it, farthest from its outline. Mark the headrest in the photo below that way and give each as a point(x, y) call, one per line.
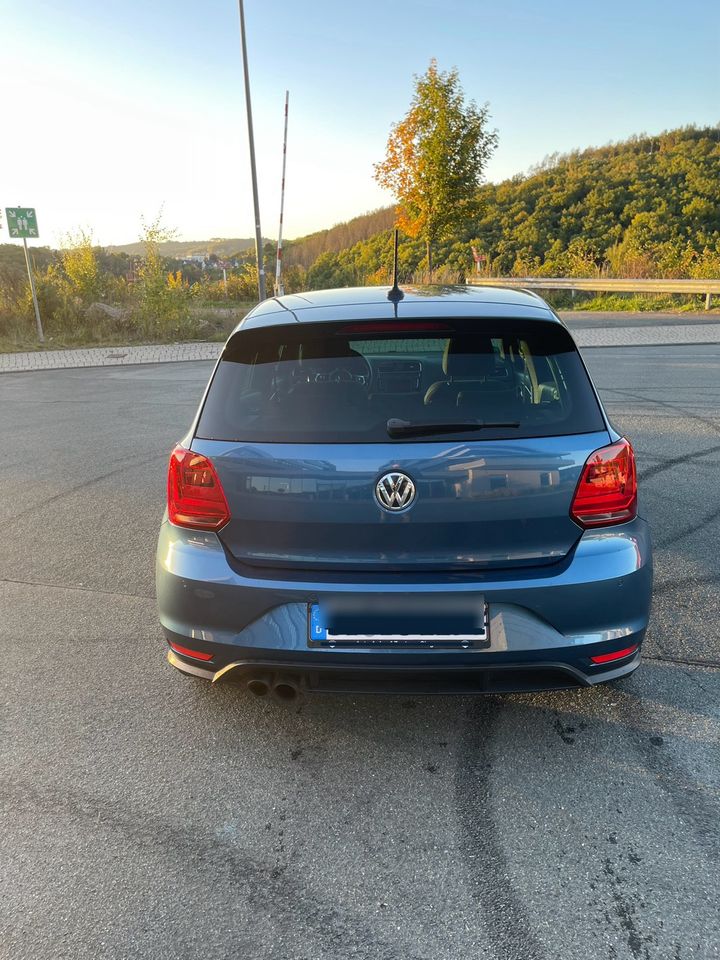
point(471, 358)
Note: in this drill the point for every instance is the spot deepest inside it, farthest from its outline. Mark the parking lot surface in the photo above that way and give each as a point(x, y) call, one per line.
point(148, 815)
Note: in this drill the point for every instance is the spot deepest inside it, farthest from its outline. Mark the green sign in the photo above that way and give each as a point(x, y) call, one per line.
point(21, 222)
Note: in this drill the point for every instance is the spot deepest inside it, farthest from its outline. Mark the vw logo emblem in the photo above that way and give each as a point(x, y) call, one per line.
point(395, 492)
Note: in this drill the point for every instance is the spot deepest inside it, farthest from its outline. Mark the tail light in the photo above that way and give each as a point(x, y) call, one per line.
point(616, 654)
point(607, 490)
point(187, 652)
point(195, 494)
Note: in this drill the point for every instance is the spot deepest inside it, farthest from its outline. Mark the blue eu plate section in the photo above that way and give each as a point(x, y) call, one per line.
point(320, 636)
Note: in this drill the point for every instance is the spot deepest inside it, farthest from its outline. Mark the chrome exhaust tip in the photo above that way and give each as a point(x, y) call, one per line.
point(285, 691)
point(258, 686)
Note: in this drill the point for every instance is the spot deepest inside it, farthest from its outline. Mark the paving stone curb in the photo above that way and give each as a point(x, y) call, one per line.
point(107, 356)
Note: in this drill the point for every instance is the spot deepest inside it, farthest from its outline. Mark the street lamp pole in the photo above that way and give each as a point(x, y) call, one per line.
point(253, 170)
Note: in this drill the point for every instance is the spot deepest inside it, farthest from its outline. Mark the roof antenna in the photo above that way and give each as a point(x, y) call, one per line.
point(395, 294)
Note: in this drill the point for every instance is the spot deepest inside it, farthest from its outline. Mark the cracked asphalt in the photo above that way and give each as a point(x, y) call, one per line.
point(147, 815)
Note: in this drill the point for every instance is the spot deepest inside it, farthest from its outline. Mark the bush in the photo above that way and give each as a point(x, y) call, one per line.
point(162, 300)
point(242, 286)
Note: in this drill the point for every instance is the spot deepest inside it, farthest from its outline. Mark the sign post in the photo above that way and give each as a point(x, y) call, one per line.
point(22, 223)
point(478, 258)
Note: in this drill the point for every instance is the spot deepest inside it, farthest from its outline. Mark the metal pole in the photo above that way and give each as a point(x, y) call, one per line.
point(251, 141)
point(38, 321)
point(279, 289)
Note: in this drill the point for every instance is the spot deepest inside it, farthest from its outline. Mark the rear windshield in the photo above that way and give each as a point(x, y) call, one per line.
point(342, 382)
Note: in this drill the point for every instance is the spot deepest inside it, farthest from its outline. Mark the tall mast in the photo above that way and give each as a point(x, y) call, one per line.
point(279, 289)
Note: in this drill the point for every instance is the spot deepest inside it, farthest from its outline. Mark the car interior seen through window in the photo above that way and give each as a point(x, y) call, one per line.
point(338, 382)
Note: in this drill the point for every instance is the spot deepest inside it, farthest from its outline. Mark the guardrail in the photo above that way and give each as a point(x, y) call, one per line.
point(706, 287)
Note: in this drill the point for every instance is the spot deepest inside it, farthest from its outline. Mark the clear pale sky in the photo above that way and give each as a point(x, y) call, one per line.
point(111, 108)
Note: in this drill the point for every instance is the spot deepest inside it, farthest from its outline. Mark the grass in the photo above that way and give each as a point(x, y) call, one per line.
point(633, 302)
point(206, 322)
point(213, 321)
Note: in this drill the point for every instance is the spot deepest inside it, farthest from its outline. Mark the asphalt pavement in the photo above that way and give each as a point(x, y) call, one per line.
point(144, 814)
point(604, 319)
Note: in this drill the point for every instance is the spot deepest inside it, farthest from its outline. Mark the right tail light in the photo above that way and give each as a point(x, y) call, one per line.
point(607, 490)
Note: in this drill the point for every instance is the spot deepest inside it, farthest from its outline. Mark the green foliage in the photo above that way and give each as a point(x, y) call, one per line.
point(328, 271)
point(79, 264)
point(630, 302)
point(304, 251)
point(647, 207)
point(241, 287)
point(88, 295)
point(163, 298)
point(294, 278)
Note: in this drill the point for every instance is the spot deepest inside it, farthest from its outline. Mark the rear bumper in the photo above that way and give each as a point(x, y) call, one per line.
point(444, 678)
point(545, 623)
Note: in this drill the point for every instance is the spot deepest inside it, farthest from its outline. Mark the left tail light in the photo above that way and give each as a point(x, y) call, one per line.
point(195, 496)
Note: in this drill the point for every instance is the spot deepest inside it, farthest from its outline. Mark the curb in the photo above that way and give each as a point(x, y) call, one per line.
point(109, 357)
point(644, 336)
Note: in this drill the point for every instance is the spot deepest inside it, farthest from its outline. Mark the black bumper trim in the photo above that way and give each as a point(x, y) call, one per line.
point(416, 679)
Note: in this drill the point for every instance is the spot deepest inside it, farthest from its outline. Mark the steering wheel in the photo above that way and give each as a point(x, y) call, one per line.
point(346, 375)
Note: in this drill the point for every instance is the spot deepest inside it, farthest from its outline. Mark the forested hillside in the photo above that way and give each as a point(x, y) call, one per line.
point(649, 206)
point(343, 235)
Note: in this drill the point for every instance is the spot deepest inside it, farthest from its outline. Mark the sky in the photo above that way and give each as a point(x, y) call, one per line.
point(112, 111)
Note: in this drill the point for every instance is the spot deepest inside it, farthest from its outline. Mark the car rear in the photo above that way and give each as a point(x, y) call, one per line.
point(428, 496)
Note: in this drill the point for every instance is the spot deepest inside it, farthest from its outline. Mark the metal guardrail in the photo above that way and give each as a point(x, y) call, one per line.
point(706, 287)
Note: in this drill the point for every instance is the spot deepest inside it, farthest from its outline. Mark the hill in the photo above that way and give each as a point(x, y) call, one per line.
point(13, 257)
point(646, 206)
point(306, 250)
point(176, 249)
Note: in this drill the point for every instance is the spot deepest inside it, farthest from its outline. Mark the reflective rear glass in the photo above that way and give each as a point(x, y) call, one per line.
point(342, 382)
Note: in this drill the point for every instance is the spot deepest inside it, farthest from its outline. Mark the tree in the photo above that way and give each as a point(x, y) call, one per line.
point(326, 273)
point(435, 158)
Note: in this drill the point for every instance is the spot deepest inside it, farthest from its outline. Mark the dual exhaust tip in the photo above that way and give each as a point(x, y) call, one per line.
point(280, 689)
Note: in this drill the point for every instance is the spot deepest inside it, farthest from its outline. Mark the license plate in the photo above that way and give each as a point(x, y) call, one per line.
point(319, 635)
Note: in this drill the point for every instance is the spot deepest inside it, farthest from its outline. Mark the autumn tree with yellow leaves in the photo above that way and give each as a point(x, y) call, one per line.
point(435, 158)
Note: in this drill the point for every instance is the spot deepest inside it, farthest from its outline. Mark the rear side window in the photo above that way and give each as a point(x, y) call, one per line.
point(342, 382)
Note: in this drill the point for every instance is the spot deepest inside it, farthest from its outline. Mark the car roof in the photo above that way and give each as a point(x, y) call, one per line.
point(374, 303)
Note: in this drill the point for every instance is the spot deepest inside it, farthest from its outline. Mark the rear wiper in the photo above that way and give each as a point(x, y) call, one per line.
point(407, 428)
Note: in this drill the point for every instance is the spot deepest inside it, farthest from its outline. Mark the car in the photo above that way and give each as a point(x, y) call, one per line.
point(409, 491)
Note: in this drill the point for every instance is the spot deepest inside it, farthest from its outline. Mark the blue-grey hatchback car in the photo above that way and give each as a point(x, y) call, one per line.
point(408, 492)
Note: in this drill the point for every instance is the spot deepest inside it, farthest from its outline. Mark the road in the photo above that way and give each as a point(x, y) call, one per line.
point(147, 815)
point(604, 319)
